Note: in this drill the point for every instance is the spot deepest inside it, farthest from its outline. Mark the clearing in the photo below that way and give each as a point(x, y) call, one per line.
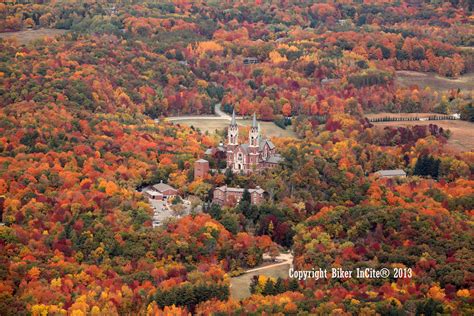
point(210, 125)
point(27, 36)
point(240, 286)
point(462, 132)
point(434, 81)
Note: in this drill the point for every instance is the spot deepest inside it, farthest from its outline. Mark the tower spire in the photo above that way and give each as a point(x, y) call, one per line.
point(253, 133)
point(232, 122)
point(233, 132)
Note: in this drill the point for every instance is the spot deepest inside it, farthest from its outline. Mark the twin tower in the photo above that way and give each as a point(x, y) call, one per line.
point(233, 134)
point(255, 155)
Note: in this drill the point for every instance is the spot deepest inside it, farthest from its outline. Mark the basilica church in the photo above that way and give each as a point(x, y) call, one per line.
point(259, 153)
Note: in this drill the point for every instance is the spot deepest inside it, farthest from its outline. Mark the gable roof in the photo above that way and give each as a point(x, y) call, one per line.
point(245, 148)
point(274, 159)
point(392, 173)
point(225, 188)
point(161, 187)
point(152, 192)
point(266, 141)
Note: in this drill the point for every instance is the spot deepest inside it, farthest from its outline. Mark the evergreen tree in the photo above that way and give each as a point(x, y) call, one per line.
point(245, 204)
point(427, 166)
point(293, 285)
point(279, 286)
point(419, 166)
point(229, 176)
point(429, 307)
point(215, 211)
point(269, 288)
point(246, 197)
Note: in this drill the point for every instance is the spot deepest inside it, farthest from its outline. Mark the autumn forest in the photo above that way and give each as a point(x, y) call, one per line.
point(85, 126)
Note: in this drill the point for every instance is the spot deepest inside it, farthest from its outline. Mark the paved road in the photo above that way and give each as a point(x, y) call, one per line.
point(219, 115)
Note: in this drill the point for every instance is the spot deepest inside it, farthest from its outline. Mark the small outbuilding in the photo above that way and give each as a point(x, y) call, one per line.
point(395, 173)
point(251, 60)
point(160, 191)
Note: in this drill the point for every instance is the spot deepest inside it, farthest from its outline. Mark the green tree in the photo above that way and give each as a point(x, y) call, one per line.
point(269, 288)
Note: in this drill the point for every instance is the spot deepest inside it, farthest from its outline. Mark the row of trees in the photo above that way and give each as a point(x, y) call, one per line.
point(190, 295)
point(269, 286)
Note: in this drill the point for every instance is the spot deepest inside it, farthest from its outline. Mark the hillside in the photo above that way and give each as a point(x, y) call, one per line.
point(85, 127)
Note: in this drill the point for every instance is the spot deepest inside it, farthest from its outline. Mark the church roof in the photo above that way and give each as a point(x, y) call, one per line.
point(254, 120)
point(245, 148)
point(265, 141)
point(274, 159)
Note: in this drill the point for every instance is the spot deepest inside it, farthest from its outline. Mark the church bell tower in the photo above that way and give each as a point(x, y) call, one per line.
point(254, 133)
point(232, 140)
point(254, 142)
point(233, 133)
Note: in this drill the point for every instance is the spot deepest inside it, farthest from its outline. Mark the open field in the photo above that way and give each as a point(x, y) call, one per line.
point(462, 132)
point(435, 82)
point(27, 36)
point(239, 286)
point(269, 129)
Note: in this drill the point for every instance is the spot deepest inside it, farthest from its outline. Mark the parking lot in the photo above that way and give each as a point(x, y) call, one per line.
point(163, 211)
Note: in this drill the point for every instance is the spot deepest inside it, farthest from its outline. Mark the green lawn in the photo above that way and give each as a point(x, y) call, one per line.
point(239, 286)
point(269, 129)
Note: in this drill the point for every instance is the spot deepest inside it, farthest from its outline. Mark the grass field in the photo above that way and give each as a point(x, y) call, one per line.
point(239, 286)
point(269, 129)
point(462, 132)
point(435, 82)
point(27, 36)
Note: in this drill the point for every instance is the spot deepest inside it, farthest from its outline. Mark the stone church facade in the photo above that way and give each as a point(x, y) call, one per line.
point(257, 154)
